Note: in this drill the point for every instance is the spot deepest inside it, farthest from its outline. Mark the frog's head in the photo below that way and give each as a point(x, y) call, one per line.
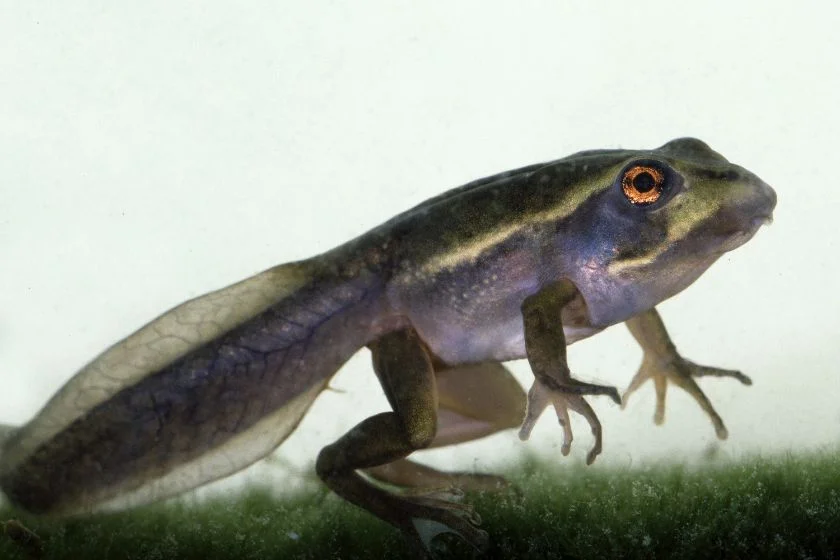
point(661, 218)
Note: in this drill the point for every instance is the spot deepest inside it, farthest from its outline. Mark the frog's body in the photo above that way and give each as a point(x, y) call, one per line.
point(441, 294)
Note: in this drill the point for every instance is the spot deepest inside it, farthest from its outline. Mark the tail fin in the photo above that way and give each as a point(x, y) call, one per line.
point(201, 392)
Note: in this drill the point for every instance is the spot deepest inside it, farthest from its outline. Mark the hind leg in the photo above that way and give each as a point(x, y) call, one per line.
point(405, 371)
point(474, 401)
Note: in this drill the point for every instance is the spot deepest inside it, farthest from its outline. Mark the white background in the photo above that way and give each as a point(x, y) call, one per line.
point(151, 153)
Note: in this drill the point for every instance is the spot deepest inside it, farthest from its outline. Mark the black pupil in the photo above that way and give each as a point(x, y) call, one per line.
point(643, 182)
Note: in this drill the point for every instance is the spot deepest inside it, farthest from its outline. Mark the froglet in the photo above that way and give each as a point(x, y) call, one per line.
point(517, 265)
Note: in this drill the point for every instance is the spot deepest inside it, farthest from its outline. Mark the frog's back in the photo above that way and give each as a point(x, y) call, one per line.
point(507, 201)
point(506, 180)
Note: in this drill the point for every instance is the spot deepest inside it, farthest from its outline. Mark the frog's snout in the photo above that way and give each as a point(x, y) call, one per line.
point(767, 204)
point(757, 203)
point(751, 207)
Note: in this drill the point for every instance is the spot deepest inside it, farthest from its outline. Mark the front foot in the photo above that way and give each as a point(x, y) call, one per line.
point(564, 397)
point(680, 372)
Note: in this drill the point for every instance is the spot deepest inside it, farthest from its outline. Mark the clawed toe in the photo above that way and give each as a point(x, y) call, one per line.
point(697, 370)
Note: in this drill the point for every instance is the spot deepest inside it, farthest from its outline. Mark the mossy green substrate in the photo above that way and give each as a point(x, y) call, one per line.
point(786, 507)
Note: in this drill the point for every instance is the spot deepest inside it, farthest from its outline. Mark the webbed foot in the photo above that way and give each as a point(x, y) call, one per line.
point(566, 396)
point(680, 372)
point(423, 518)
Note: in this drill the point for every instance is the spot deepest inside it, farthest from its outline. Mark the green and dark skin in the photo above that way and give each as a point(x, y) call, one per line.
point(518, 265)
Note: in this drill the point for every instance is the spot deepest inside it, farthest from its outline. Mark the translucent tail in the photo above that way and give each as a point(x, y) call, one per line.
point(201, 392)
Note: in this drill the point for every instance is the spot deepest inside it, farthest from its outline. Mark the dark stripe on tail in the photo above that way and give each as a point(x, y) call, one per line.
point(198, 402)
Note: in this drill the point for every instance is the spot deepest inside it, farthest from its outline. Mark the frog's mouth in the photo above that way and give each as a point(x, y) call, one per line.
point(749, 206)
point(734, 239)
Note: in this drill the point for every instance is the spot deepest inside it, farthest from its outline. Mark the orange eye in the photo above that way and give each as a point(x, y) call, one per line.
point(642, 184)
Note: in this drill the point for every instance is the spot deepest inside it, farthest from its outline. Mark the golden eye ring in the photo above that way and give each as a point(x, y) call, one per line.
point(642, 184)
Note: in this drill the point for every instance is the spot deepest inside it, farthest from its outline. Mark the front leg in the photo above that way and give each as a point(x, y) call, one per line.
point(545, 345)
point(662, 363)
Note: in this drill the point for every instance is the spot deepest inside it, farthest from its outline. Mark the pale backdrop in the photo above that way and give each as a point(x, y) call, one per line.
point(152, 153)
